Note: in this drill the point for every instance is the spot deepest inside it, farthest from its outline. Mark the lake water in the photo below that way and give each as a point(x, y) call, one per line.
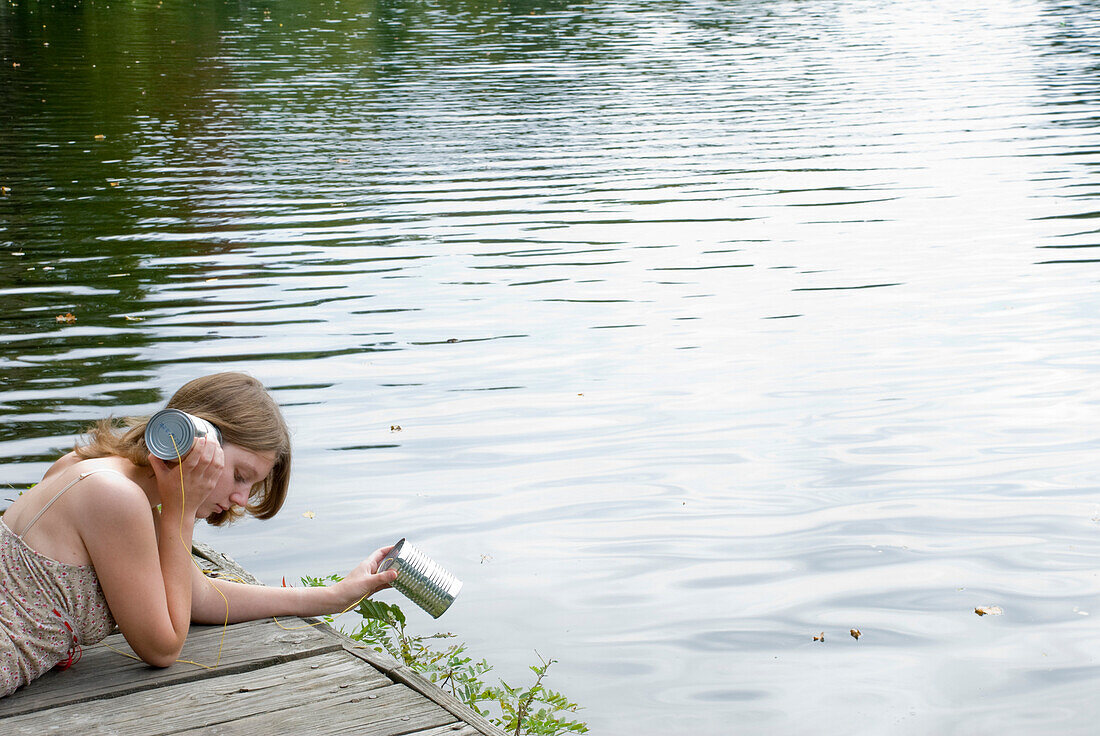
point(709, 327)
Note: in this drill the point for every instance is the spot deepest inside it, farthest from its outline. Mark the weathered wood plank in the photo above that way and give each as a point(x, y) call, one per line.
point(215, 699)
point(430, 690)
point(454, 729)
point(224, 564)
point(419, 683)
point(388, 711)
point(102, 672)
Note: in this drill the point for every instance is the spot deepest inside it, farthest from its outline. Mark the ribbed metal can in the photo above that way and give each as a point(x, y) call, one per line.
point(171, 433)
point(420, 579)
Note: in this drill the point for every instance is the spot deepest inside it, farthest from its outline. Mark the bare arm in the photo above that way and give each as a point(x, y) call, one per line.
point(142, 559)
point(251, 602)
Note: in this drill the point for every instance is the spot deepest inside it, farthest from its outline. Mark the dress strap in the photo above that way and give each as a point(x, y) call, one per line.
point(58, 495)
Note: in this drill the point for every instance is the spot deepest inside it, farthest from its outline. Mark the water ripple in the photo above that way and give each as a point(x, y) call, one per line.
point(707, 333)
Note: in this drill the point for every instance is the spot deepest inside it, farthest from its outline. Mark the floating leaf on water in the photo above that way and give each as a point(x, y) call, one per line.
point(113, 183)
point(856, 633)
point(989, 610)
point(132, 318)
point(309, 514)
point(341, 161)
point(100, 137)
point(5, 191)
point(819, 637)
point(395, 427)
point(67, 317)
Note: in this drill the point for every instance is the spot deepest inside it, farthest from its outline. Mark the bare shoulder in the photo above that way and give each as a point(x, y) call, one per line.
point(62, 464)
point(112, 518)
point(71, 509)
point(112, 498)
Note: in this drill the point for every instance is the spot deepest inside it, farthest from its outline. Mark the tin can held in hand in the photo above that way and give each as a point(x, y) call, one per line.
point(421, 579)
point(171, 433)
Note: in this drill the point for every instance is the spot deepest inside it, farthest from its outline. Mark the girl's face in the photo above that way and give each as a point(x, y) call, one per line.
point(243, 469)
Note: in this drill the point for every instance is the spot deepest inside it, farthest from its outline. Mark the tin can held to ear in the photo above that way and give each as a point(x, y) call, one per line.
point(421, 579)
point(171, 433)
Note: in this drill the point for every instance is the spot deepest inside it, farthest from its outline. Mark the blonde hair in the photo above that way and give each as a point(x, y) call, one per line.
point(242, 410)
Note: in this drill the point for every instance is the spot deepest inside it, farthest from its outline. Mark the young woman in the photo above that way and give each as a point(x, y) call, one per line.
point(105, 537)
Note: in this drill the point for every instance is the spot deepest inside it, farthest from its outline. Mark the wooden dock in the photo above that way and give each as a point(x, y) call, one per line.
point(309, 680)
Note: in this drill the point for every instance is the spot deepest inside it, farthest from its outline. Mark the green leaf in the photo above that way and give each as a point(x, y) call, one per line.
point(379, 611)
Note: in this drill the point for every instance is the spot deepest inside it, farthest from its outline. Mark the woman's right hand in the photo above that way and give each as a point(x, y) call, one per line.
point(201, 469)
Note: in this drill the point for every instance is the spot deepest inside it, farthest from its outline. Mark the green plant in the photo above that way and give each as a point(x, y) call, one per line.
point(518, 706)
point(534, 710)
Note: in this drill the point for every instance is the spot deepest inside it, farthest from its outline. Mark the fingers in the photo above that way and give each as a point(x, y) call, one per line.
point(198, 473)
point(376, 557)
point(368, 580)
point(380, 581)
point(388, 576)
point(203, 451)
point(205, 462)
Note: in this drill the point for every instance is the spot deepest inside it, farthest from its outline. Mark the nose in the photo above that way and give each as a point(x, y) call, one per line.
point(239, 498)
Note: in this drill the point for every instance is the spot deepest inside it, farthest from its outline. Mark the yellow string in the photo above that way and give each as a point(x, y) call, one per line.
point(318, 623)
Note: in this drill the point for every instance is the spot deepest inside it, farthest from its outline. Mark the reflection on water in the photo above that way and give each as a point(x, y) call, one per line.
point(708, 327)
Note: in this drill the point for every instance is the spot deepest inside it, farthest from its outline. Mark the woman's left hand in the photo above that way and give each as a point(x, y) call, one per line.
point(365, 580)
